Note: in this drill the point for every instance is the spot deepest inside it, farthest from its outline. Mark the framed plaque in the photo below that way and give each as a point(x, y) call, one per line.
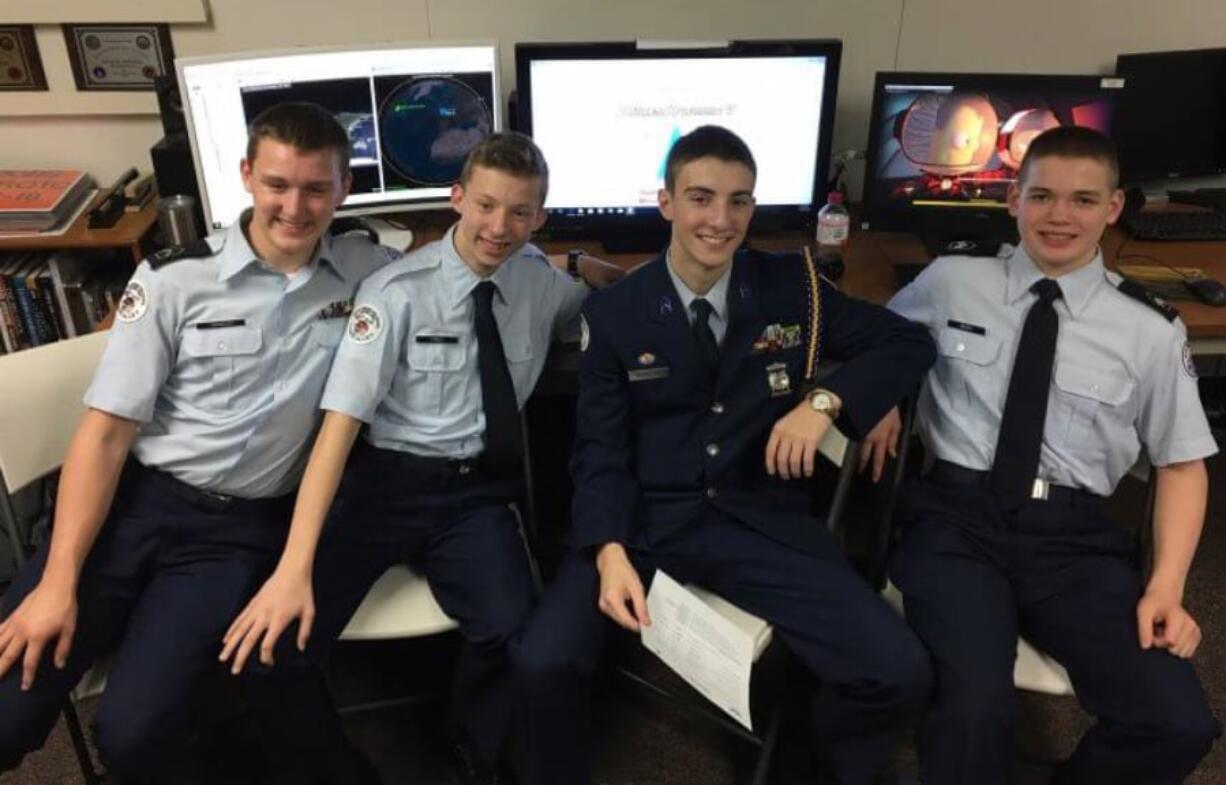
point(21, 68)
point(119, 56)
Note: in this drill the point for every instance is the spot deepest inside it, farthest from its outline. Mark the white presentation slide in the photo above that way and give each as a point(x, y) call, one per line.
point(606, 126)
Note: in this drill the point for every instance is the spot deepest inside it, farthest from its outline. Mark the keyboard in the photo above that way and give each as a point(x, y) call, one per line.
point(1178, 225)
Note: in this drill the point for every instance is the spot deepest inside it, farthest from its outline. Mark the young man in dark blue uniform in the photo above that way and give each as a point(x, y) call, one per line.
point(695, 436)
point(176, 492)
point(1049, 381)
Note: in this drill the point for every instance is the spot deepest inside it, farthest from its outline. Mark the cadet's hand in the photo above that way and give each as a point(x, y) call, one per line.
point(1163, 623)
point(283, 598)
point(881, 442)
point(621, 591)
point(48, 613)
point(793, 442)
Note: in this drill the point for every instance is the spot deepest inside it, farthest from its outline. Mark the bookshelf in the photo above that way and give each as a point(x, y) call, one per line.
point(133, 232)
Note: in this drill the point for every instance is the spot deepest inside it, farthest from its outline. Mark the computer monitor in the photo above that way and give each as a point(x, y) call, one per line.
point(412, 111)
point(1172, 114)
point(943, 149)
point(606, 115)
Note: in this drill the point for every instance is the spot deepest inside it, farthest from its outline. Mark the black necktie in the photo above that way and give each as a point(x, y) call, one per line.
point(708, 349)
point(503, 437)
point(1016, 463)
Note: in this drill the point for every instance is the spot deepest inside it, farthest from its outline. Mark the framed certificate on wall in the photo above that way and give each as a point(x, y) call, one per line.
point(21, 67)
point(119, 56)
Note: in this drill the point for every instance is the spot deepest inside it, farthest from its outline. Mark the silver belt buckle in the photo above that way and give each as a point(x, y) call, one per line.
point(1039, 489)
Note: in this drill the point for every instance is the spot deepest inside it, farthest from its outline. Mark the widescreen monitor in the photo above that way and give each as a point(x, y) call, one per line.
point(944, 148)
point(1172, 117)
point(606, 114)
point(412, 112)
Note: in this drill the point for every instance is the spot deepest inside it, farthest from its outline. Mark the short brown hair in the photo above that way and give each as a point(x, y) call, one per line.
point(1072, 141)
point(509, 152)
point(305, 126)
point(707, 141)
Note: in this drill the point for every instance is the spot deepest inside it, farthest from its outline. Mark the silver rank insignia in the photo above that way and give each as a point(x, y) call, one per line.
point(778, 380)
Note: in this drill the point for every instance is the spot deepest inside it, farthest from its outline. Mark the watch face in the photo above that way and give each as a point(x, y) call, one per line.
point(821, 402)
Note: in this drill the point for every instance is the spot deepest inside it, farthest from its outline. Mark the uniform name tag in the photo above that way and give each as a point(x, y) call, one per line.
point(969, 328)
point(647, 374)
point(437, 339)
point(219, 324)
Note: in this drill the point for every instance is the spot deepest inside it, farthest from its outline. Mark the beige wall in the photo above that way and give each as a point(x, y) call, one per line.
point(1072, 36)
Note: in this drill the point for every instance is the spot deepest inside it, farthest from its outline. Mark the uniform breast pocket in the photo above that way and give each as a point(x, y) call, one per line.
point(964, 359)
point(436, 363)
point(222, 366)
point(1087, 402)
point(327, 333)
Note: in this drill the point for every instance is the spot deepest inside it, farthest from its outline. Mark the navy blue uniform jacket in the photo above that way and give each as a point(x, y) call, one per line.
point(649, 411)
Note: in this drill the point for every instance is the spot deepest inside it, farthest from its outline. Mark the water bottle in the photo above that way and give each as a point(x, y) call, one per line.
point(833, 227)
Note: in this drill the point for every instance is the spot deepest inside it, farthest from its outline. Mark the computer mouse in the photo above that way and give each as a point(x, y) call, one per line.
point(1209, 291)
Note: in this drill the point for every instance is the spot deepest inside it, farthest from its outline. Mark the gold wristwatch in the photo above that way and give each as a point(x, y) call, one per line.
point(823, 402)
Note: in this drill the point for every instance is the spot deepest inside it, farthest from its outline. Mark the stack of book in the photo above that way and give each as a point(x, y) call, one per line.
point(46, 296)
point(36, 200)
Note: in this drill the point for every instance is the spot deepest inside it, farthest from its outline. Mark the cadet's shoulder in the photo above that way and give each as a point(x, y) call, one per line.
point(640, 284)
point(1136, 302)
point(414, 264)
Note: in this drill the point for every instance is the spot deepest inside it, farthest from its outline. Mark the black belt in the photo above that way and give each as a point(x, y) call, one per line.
point(211, 501)
point(953, 474)
point(435, 468)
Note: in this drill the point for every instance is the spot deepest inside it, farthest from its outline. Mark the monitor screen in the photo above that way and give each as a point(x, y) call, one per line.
point(1172, 118)
point(412, 113)
point(606, 114)
point(948, 146)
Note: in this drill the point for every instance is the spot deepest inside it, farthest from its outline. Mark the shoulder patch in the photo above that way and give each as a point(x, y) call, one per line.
point(1189, 363)
point(365, 324)
point(133, 303)
point(194, 250)
point(1144, 296)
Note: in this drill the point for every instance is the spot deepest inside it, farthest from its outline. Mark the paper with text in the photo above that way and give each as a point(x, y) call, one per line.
point(704, 648)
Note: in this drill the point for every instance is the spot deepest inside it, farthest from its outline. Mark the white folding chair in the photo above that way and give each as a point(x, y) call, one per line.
point(41, 393)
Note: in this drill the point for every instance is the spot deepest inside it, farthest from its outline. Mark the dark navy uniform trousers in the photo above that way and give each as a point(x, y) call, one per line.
point(451, 522)
point(1064, 576)
point(170, 570)
point(874, 673)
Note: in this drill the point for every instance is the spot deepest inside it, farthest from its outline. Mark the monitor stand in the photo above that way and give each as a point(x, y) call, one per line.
point(966, 245)
point(631, 241)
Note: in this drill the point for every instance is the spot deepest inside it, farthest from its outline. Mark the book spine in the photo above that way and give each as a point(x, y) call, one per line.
point(25, 307)
point(43, 323)
point(48, 305)
point(60, 291)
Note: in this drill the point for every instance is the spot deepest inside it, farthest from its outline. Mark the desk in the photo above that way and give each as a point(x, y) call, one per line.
point(870, 259)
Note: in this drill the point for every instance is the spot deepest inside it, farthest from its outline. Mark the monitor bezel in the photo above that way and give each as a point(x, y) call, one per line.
point(766, 218)
point(346, 209)
point(917, 218)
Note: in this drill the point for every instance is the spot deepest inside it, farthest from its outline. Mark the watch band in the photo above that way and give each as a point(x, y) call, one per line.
point(572, 262)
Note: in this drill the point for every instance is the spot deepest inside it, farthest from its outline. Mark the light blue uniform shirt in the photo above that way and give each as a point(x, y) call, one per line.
point(717, 296)
point(408, 362)
point(1122, 379)
point(223, 359)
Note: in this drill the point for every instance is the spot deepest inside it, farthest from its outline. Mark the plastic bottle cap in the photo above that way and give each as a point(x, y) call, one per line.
point(834, 197)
